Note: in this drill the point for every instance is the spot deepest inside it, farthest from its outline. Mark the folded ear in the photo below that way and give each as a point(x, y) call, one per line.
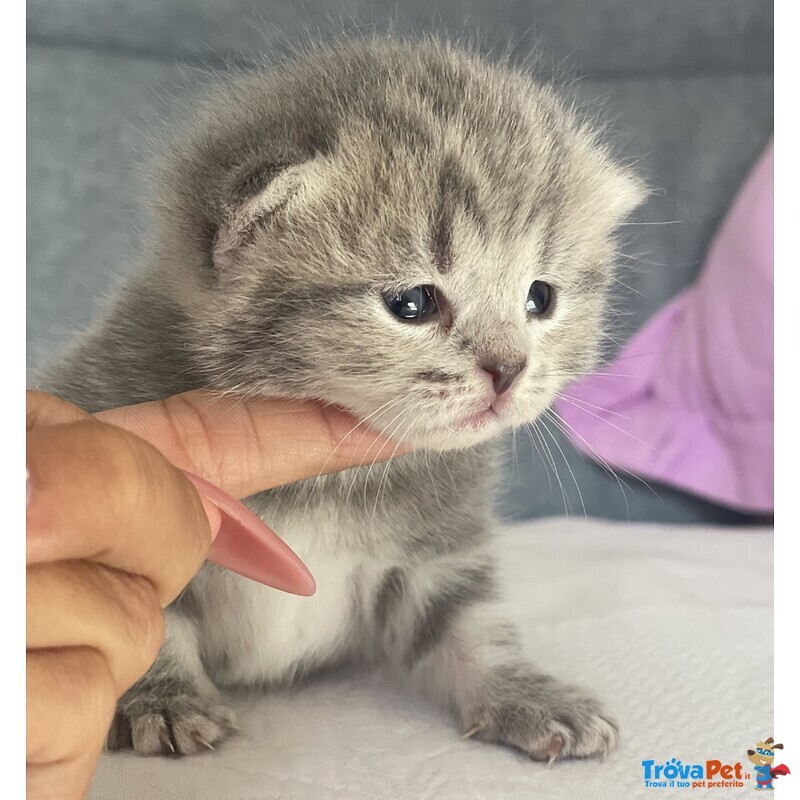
point(777, 747)
point(608, 191)
point(262, 198)
point(623, 191)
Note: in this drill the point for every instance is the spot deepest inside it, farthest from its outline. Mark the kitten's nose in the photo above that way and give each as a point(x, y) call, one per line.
point(503, 375)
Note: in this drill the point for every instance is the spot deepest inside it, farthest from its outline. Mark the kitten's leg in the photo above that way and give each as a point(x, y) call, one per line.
point(174, 708)
point(441, 625)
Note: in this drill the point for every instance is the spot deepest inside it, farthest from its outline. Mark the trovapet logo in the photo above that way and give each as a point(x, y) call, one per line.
point(715, 773)
point(709, 774)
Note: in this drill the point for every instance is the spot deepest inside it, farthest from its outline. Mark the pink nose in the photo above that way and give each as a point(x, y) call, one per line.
point(503, 375)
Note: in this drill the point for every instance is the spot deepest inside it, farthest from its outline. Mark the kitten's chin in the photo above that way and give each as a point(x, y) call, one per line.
point(457, 437)
point(467, 431)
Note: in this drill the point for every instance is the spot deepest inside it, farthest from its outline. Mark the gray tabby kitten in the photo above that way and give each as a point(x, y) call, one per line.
point(425, 239)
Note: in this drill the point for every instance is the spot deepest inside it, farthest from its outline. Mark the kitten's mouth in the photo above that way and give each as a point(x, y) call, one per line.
point(476, 422)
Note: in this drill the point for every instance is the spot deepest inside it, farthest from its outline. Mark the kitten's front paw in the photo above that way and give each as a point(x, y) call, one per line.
point(170, 724)
point(543, 718)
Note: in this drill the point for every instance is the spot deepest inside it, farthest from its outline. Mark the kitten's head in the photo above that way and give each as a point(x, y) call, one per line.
point(405, 230)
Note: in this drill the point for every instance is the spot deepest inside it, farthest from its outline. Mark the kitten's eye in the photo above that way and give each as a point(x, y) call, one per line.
point(412, 305)
point(540, 298)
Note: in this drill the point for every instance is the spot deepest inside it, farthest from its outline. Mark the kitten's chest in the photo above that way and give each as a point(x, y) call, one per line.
point(251, 633)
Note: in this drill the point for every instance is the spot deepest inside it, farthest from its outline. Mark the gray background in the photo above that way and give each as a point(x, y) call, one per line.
point(687, 85)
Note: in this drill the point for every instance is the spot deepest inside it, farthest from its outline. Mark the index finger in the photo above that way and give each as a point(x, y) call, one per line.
point(246, 446)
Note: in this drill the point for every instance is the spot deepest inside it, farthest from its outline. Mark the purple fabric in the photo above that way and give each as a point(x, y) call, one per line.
point(689, 401)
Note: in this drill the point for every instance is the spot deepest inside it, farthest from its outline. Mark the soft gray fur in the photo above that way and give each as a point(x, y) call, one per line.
point(295, 198)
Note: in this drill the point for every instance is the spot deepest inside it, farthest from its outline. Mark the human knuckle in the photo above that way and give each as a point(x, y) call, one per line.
point(118, 467)
point(153, 634)
point(132, 628)
point(96, 688)
point(145, 621)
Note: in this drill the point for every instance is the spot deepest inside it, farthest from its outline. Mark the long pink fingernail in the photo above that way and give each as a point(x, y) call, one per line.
point(246, 546)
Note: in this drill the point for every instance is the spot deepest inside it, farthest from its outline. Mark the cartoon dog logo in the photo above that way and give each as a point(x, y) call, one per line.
point(762, 757)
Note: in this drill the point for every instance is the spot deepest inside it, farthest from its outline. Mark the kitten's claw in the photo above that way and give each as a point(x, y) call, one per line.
point(553, 751)
point(473, 730)
point(201, 741)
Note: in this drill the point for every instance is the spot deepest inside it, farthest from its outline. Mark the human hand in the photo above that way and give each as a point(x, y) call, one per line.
point(115, 531)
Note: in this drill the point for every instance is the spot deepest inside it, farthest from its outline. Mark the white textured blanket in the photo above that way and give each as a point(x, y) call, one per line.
point(672, 626)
